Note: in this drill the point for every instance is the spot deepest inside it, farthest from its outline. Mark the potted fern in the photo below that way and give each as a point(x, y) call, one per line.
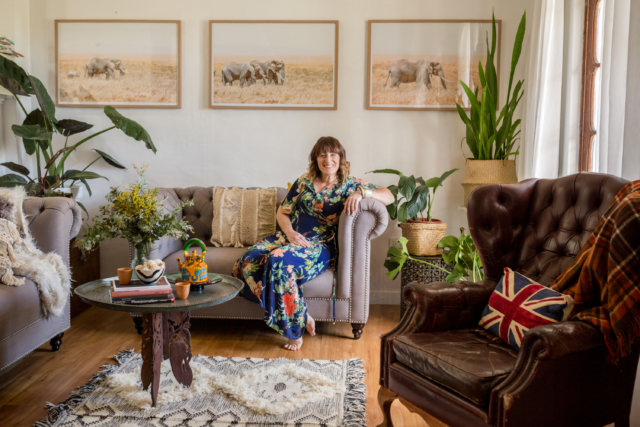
point(412, 197)
point(491, 136)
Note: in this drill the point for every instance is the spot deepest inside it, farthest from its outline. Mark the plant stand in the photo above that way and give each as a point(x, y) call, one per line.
point(82, 271)
point(414, 271)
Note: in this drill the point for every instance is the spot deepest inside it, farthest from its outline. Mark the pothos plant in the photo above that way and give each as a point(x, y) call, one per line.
point(462, 253)
point(412, 196)
point(39, 128)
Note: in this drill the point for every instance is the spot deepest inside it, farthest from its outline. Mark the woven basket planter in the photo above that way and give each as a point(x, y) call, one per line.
point(483, 172)
point(423, 237)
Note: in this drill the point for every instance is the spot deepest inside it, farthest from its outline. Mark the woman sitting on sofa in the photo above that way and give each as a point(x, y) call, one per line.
point(274, 269)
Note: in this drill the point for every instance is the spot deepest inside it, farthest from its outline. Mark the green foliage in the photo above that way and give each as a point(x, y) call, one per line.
point(462, 252)
point(490, 136)
point(417, 194)
point(398, 256)
point(464, 255)
point(38, 130)
point(136, 214)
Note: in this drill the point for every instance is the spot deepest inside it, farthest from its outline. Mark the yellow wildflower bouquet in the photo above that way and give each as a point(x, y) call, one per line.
point(137, 214)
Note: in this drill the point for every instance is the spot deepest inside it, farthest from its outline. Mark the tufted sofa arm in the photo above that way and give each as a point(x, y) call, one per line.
point(167, 245)
point(354, 235)
point(53, 222)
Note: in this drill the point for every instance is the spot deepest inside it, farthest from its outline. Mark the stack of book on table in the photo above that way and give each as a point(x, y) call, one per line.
point(137, 292)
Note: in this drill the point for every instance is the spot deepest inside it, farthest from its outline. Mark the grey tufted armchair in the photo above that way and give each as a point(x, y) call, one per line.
point(352, 288)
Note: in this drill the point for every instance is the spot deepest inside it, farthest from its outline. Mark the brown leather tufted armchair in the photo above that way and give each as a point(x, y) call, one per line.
point(442, 365)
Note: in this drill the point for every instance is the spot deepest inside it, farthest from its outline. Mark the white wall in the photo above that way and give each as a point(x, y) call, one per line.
point(200, 146)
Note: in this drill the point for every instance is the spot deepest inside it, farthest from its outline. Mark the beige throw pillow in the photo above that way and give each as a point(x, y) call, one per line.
point(243, 217)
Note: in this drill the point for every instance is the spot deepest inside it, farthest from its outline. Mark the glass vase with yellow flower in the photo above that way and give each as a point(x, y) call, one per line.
point(137, 214)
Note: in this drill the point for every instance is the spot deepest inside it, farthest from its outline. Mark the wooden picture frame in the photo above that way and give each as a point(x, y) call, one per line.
point(89, 48)
point(281, 81)
point(407, 95)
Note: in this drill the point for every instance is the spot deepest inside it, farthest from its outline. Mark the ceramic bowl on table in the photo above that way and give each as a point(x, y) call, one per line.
point(150, 271)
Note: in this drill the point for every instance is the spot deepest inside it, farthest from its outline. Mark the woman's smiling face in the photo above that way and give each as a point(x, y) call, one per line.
point(328, 163)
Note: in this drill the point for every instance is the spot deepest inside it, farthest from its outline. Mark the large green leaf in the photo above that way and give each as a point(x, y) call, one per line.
point(517, 49)
point(129, 127)
point(14, 78)
point(79, 175)
point(34, 118)
point(393, 171)
point(46, 103)
point(407, 186)
point(31, 132)
point(68, 127)
point(12, 180)
point(86, 184)
point(110, 160)
point(443, 177)
point(402, 212)
point(16, 168)
point(392, 209)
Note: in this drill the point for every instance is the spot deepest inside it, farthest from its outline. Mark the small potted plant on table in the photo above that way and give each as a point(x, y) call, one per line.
point(412, 197)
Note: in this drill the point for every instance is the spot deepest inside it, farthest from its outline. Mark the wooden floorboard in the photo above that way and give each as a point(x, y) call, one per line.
point(97, 334)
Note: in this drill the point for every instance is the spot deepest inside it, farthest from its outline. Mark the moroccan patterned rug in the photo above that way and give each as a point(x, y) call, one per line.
point(225, 392)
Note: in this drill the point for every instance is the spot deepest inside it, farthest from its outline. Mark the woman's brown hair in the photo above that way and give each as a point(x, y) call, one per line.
point(331, 145)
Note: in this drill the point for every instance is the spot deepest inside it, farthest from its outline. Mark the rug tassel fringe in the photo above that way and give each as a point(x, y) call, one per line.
point(355, 398)
point(56, 413)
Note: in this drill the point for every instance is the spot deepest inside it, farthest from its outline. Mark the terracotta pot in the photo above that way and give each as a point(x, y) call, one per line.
point(124, 275)
point(423, 237)
point(182, 289)
point(483, 172)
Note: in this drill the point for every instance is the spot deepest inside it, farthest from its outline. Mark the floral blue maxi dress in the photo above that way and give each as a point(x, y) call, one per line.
point(274, 271)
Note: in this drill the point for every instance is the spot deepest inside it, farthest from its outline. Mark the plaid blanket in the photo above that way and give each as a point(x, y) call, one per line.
point(604, 279)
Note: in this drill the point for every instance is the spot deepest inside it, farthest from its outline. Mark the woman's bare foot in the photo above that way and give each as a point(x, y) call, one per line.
point(311, 326)
point(294, 345)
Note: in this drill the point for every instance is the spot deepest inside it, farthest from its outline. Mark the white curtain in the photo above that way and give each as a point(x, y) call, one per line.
point(611, 148)
point(552, 114)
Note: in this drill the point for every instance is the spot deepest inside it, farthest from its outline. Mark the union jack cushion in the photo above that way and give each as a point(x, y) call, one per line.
point(519, 304)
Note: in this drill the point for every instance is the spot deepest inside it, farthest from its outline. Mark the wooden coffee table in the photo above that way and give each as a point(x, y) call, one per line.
point(166, 326)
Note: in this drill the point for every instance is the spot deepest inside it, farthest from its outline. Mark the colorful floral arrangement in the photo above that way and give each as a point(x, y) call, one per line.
point(137, 215)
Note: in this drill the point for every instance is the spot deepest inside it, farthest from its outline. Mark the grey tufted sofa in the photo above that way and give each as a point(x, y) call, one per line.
point(53, 222)
point(352, 288)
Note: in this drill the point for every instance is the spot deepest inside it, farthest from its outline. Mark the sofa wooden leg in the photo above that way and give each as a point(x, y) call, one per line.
point(357, 330)
point(56, 341)
point(385, 399)
point(137, 321)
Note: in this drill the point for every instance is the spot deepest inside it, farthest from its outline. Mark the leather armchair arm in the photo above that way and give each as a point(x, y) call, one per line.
point(354, 235)
point(53, 222)
point(559, 339)
point(440, 306)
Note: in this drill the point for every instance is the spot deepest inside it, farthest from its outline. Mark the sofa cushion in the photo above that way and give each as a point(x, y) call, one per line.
point(469, 361)
point(19, 307)
point(221, 261)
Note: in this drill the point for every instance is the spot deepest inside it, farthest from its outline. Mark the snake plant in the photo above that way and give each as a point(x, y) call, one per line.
point(491, 136)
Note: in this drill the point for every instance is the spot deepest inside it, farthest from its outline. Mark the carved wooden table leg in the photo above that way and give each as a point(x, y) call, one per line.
point(152, 355)
point(180, 346)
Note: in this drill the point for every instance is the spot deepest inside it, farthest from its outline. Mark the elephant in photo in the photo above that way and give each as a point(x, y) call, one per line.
point(403, 71)
point(270, 70)
point(72, 74)
point(244, 73)
point(105, 66)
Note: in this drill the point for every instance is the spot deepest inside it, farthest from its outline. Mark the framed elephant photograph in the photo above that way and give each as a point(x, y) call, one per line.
point(417, 64)
point(273, 64)
point(123, 63)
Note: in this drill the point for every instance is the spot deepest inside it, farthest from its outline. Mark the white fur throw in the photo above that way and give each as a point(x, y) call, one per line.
point(21, 257)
